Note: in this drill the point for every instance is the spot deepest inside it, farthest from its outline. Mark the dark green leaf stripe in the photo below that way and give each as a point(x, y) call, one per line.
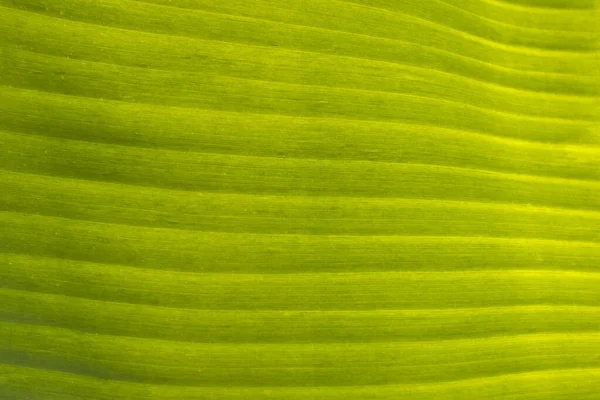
point(290, 326)
point(299, 200)
point(489, 19)
point(290, 364)
point(303, 288)
point(288, 176)
point(58, 36)
point(556, 384)
point(25, 68)
point(227, 212)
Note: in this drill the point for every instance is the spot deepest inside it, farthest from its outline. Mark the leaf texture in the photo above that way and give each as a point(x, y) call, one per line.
point(320, 199)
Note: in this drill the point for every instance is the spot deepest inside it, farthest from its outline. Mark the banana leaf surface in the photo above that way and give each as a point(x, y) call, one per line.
point(299, 200)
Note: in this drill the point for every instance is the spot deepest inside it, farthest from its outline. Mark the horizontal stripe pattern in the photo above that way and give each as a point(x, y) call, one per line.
point(558, 384)
point(346, 199)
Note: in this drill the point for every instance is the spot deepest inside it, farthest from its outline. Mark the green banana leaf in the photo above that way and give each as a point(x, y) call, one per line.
point(298, 200)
